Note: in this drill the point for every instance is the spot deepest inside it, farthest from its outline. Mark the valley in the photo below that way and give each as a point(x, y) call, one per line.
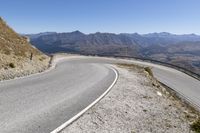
point(179, 50)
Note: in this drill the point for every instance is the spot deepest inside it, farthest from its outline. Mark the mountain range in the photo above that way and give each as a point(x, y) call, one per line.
point(180, 50)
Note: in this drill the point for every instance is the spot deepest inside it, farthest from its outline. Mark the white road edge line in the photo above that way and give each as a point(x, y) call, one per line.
point(61, 127)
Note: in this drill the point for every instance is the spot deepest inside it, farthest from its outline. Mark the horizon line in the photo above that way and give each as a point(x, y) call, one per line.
point(197, 34)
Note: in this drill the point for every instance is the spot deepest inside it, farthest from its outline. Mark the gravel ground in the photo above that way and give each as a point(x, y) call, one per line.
point(22, 66)
point(136, 104)
point(25, 66)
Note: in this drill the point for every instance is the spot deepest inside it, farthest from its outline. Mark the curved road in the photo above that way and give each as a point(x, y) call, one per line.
point(43, 102)
point(187, 86)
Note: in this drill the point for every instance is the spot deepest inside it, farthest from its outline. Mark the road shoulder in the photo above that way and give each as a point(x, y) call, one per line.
point(137, 103)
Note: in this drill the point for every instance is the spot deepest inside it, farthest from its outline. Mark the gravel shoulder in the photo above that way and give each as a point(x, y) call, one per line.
point(22, 66)
point(25, 66)
point(136, 104)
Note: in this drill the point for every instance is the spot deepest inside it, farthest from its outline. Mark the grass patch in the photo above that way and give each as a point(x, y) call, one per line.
point(42, 58)
point(148, 69)
point(138, 67)
point(196, 126)
point(13, 43)
point(130, 66)
point(12, 65)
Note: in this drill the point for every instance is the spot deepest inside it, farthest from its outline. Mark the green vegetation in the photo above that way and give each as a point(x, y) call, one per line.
point(148, 69)
point(12, 65)
point(134, 66)
point(130, 66)
point(42, 58)
point(196, 126)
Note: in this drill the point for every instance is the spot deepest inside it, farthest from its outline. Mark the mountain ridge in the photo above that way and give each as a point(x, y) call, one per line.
point(182, 50)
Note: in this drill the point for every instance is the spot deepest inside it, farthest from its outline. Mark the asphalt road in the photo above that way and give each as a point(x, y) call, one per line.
point(41, 103)
point(187, 86)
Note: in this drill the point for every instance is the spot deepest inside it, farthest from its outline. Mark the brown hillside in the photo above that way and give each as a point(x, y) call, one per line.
point(12, 43)
point(15, 54)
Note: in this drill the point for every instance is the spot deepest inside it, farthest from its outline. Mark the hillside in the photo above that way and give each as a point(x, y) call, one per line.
point(77, 42)
point(15, 54)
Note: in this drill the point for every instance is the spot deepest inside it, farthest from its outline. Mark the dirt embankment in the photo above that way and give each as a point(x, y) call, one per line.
point(17, 56)
point(20, 66)
point(136, 104)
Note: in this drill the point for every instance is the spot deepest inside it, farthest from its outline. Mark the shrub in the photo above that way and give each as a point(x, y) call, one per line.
point(42, 58)
point(7, 52)
point(12, 65)
point(148, 69)
point(196, 126)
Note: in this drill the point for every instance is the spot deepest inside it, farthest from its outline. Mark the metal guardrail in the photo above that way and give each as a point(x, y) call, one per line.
point(184, 70)
point(186, 100)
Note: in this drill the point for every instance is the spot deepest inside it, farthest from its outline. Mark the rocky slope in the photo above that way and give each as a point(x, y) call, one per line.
point(17, 56)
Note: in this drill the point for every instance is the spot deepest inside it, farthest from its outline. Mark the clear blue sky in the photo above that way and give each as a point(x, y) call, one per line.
point(117, 16)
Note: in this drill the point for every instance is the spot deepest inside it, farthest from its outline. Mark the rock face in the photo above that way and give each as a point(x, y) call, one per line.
point(15, 54)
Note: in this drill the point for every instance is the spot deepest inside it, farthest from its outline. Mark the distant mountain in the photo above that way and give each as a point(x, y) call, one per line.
point(182, 50)
point(33, 36)
point(165, 38)
point(77, 42)
point(109, 43)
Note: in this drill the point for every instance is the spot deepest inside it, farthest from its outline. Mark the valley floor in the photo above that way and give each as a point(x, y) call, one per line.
point(136, 104)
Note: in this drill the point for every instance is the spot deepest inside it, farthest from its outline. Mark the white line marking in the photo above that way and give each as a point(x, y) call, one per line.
point(88, 107)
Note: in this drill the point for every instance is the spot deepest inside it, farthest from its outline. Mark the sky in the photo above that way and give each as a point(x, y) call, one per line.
point(115, 16)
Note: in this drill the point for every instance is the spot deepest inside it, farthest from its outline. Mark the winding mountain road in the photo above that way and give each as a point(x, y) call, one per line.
point(42, 102)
